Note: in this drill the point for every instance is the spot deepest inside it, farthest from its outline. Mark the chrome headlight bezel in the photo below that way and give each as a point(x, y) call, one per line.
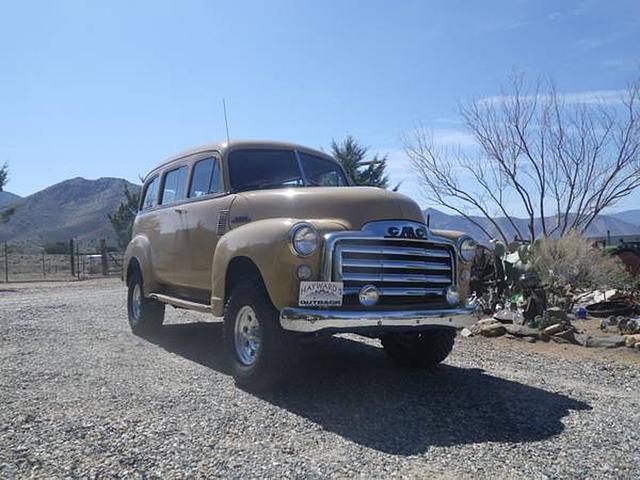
point(466, 247)
point(304, 239)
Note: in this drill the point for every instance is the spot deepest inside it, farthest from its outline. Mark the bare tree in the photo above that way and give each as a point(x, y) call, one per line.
point(561, 160)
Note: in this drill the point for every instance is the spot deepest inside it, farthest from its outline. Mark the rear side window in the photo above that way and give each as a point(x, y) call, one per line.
point(150, 194)
point(205, 178)
point(174, 185)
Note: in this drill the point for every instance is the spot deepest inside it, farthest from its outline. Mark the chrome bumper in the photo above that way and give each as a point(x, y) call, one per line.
point(309, 320)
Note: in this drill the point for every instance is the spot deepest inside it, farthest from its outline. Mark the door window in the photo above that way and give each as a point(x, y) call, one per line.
point(174, 185)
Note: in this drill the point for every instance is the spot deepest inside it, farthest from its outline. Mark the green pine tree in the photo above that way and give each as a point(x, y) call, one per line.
point(352, 156)
point(122, 219)
point(4, 175)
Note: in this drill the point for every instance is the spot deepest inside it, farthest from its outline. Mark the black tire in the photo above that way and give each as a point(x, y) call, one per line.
point(267, 366)
point(149, 317)
point(423, 350)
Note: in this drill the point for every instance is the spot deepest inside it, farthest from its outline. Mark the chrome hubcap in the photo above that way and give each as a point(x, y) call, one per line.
point(247, 335)
point(136, 303)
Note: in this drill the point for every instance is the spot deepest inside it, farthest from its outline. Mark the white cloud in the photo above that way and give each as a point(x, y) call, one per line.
point(601, 97)
point(453, 137)
point(623, 64)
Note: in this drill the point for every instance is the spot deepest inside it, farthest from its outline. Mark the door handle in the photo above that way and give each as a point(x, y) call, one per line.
point(179, 210)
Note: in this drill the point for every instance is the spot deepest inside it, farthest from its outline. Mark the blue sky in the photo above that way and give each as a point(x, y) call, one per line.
point(111, 88)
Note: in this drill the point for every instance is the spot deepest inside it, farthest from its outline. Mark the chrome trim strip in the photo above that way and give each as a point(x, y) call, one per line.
point(401, 291)
point(395, 277)
point(407, 264)
point(308, 320)
point(415, 252)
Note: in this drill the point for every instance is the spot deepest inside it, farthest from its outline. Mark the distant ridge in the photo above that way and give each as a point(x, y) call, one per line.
point(7, 198)
point(73, 208)
point(598, 228)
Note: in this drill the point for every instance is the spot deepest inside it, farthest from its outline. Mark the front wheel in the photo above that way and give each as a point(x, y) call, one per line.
point(424, 349)
point(254, 341)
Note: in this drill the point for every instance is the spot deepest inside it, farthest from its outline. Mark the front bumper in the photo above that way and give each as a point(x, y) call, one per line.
point(308, 320)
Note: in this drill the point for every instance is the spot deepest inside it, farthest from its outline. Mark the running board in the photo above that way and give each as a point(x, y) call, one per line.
point(180, 303)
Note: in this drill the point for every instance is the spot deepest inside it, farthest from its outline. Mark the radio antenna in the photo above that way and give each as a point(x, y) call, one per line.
point(226, 122)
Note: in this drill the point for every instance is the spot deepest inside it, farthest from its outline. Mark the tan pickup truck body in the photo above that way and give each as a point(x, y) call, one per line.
point(192, 246)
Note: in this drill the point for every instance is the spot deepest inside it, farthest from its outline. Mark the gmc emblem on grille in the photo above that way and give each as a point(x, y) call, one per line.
point(406, 232)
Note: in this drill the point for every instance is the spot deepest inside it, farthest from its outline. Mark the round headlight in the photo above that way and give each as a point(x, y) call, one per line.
point(467, 249)
point(304, 239)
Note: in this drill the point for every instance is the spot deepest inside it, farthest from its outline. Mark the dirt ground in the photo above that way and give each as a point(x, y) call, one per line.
point(81, 397)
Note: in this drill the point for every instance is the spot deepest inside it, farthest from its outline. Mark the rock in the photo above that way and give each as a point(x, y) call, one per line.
point(611, 341)
point(504, 316)
point(565, 336)
point(556, 315)
point(553, 329)
point(529, 339)
point(631, 340)
point(630, 326)
point(466, 332)
point(486, 321)
point(477, 327)
point(492, 330)
point(522, 331)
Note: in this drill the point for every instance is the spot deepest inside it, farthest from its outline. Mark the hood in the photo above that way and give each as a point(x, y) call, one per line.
point(349, 206)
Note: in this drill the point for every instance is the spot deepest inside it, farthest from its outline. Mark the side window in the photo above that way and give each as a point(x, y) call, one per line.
point(174, 185)
point(150, 194)
point(205, 178)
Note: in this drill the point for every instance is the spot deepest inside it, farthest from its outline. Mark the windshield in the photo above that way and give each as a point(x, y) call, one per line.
point(257, 169)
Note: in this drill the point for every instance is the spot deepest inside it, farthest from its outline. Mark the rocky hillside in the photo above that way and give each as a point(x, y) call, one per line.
point(598, 228)
point(74, 208)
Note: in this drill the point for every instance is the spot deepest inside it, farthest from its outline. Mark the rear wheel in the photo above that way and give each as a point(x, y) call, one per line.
point(424, 349)
point(254, 341)
point(145, 315)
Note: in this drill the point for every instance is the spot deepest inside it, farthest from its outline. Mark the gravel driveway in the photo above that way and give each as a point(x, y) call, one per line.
point(80, 396)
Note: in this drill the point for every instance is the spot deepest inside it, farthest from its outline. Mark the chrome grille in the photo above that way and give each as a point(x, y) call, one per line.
point(405, 271)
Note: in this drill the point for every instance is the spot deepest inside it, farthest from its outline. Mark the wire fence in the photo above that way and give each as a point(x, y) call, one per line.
point(76, 261)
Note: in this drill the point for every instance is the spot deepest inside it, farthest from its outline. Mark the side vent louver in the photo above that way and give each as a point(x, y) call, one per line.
point(223, 222)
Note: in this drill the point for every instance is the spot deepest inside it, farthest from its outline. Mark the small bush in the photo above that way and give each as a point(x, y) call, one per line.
point(571, 263)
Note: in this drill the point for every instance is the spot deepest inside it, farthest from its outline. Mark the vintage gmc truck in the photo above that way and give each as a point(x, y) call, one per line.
point(273, 238)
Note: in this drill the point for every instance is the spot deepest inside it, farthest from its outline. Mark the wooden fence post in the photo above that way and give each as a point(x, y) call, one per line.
point(78, 259)
point(71, 259)
point(6, 263)
point(103, 255)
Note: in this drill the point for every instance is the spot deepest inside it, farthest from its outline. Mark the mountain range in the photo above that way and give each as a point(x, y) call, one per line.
point(622, 223)
point(75, 208)
point(78, 208)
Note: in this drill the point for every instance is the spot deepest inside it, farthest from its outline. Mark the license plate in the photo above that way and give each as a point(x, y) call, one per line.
point(320, 294)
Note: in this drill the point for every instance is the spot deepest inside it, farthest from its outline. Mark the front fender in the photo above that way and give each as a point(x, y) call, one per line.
point(140, 249)
point(266, 244)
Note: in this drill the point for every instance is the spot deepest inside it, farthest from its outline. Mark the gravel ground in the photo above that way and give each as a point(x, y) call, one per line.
point(80, 396)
